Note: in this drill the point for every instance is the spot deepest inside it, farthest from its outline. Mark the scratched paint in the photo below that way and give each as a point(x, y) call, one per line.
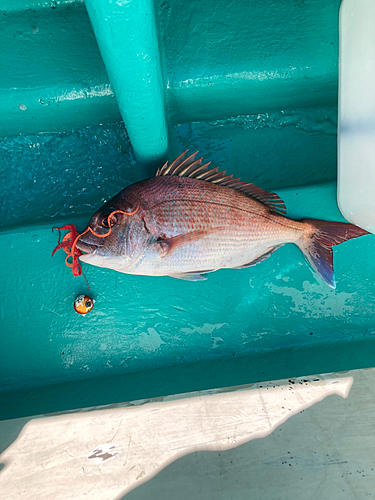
point(103, 453)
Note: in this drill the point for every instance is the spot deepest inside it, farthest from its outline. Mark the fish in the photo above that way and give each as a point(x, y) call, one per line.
point(190, 220)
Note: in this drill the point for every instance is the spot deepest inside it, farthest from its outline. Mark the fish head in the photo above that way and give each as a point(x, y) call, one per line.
point(115, 236)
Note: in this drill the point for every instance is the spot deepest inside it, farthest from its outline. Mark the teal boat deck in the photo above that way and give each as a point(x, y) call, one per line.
point(149, 337)
point(254, 89)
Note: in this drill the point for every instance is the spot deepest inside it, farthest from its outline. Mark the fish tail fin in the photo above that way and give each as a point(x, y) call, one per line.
point(317, 242)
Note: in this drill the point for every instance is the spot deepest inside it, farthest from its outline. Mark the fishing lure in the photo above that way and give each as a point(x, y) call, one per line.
point(83, 304)
point(69, 241)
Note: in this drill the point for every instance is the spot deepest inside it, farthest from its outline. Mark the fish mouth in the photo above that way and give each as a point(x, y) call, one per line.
point(86, 247)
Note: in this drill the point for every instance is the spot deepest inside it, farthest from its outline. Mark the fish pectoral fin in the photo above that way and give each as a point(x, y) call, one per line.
point(259, 259)
point(188, 276)
point(169, 244)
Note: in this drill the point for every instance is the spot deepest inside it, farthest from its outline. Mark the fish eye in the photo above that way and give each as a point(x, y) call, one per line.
point(104, 220)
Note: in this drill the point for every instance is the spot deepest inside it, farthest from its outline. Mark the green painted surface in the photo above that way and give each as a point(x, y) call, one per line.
point(72, 173)
point(52, 77)
point(219, 60)
point(263, 316)
point(45, 176)
point(254, 88)
point(228, 58)
point(272, 150)
point(127, 38)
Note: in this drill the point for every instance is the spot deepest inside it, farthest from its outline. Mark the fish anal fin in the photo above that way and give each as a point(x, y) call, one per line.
point(190, 167)
point(260, 259)
point(188, 276)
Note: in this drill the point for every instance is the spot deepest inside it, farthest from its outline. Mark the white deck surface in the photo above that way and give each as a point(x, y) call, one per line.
point(105, 453)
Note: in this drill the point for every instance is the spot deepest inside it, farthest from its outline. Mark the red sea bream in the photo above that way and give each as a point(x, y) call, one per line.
point(189, 220)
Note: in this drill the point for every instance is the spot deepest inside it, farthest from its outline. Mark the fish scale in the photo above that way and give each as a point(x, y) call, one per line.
point(239, 235)
point(189, 220)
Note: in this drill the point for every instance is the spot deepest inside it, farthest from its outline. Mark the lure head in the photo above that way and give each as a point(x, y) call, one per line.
point(83, 304)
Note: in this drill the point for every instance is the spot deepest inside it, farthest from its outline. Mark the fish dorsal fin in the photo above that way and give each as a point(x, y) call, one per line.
point(190, 167)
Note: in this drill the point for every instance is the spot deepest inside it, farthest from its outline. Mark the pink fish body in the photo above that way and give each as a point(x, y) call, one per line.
point(189, 221)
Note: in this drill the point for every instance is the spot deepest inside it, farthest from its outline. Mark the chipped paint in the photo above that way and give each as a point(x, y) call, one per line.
point(103, 453)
